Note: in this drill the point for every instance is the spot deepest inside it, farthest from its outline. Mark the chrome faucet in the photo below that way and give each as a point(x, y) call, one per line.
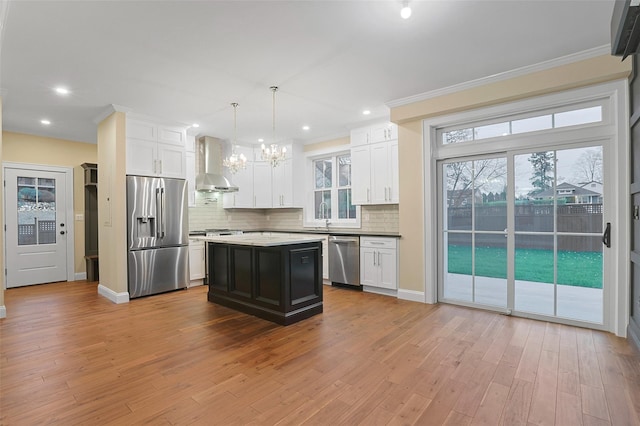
point(323, 208)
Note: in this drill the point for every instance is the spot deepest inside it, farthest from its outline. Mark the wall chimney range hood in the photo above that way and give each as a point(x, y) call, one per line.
point(211, 179)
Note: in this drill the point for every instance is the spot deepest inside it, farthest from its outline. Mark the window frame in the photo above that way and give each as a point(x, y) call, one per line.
point(309, 220)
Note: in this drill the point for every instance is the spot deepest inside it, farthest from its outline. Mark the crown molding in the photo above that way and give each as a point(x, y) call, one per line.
point(529, 69)
point(110, 110)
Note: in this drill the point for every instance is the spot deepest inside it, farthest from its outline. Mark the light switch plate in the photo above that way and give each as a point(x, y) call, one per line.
point(79, 216)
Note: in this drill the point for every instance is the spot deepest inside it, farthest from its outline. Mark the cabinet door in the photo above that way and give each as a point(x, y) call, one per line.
point(283, 184)
point(243, 198)
point(172, 136)
point(368, 268)
point(141, 130)
point(190, 168)
point(360, 175)
point(394, 179)
point(378, 133)
point(359, 137)
point(380, 173)
point(142, 157)
point(387, 268)
point(262, 185)
point(196, 260)
point(171, 161)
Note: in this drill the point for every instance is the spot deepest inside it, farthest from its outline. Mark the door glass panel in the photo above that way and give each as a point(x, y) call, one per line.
point(579, 190)
point(580, 278)
point(459, 194)
point(491, 269)
point(491, 184)
point(534, 175)
point(36, 202)
point(578, 116)
point(458, 279)
point(534, 274)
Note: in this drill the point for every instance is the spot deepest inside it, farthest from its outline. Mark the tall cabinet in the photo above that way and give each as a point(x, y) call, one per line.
point(374, 165)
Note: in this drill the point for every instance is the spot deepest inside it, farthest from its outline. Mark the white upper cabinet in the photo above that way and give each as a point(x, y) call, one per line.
point(375, 165)
point(155, 150)
point(243, 179)
point(270, 187)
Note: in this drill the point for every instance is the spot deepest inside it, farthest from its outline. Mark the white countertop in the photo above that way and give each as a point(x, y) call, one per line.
point(259, 240)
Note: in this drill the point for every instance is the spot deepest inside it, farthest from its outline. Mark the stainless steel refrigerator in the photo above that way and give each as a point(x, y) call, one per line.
point(158, 235)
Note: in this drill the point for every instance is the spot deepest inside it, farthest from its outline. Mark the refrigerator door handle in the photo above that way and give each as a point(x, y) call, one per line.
point(159, 213)
point(163, 204)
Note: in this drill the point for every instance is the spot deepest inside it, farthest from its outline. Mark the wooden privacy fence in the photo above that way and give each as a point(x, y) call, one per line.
point(46, 232)
point(582, 218)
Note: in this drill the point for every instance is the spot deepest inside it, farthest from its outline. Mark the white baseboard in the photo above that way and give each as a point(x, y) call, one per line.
point(112, 295)
point(378, 290)
point(412, 295)
point(80, 276)
point(3, 312)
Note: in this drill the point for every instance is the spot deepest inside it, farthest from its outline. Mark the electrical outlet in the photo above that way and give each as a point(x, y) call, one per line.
point(268, 217)
point(366, 216)
point(79, 216)
point(299, 217)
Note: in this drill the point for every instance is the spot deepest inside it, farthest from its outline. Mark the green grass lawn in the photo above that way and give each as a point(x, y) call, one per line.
point(581, 268)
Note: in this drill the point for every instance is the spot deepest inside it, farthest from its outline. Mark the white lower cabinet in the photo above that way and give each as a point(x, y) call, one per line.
point(196, 262)
point(379, 262)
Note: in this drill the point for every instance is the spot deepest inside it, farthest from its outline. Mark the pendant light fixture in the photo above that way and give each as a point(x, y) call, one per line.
point(273, 154)
point(235, 162)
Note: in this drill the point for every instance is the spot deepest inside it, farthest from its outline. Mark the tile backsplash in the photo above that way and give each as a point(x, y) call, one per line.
point(209, 213)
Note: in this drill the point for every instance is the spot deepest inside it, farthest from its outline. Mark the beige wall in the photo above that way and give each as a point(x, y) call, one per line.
point(413, 247)
point(2, 308)
point(21, 148)
point(112, 216)
point(332, 143)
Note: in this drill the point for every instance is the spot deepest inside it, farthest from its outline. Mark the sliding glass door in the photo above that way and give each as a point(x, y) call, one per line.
point(521, 231)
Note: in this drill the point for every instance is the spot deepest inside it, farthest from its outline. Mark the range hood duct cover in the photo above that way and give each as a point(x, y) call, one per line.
point(212, 180)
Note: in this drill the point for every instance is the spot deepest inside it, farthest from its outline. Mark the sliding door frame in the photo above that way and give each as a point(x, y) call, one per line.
point(614, 127)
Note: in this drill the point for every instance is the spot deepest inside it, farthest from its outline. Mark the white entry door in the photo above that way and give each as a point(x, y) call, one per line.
point(36, 226)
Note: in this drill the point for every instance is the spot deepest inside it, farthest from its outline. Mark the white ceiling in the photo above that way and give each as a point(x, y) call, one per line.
point(186, 61)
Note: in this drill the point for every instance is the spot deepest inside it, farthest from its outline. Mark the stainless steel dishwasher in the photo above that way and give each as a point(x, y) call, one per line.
point(344, 260)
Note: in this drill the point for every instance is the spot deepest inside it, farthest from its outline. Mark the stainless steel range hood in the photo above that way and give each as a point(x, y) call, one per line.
point(211, 179)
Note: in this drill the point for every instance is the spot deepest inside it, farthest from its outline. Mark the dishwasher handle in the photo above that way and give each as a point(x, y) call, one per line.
point(344, 240)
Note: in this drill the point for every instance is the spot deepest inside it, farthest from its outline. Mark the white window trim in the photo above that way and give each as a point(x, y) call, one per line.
point(615, 125)
point(309, 220)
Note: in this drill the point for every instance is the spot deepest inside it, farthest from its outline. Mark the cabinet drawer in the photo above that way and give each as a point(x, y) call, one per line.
point(378, 242)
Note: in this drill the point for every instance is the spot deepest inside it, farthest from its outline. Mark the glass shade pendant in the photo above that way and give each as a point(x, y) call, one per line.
point(235, 162)
point(274, 154)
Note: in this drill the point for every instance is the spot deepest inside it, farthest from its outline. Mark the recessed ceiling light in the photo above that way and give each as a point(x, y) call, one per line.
point(62, 91)
point(305, 127)
point(366, 112)
point(45, 122)
point(195, 125)
point(260, 140)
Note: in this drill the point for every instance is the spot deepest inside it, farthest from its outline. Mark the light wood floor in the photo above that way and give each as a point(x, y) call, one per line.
point(69, 356)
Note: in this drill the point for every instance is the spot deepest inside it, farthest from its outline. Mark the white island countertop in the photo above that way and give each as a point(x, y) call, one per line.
point(259, 240)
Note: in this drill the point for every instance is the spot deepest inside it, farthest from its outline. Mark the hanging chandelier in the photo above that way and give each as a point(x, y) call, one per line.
point(235, 162)
point(273, 154)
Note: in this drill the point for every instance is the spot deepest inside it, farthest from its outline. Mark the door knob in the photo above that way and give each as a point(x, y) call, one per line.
point(61, 232)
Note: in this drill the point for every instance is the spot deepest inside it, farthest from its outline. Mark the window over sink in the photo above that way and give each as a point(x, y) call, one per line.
point(331, 185)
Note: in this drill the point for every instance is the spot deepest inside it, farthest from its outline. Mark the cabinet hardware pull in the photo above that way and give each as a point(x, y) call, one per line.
point(374, 257)
point(368, 195)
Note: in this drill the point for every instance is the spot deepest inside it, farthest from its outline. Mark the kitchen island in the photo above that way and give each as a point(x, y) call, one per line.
point(277, 278)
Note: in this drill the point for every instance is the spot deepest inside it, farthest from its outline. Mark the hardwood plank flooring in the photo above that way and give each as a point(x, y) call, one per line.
point(69, 356)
